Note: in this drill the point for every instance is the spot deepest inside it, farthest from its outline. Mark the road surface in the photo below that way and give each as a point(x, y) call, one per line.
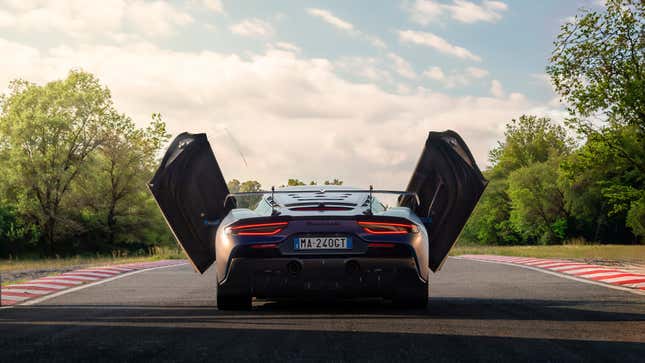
point(478, 312)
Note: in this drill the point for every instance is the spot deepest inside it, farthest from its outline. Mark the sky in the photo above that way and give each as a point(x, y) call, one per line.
point(313, 90)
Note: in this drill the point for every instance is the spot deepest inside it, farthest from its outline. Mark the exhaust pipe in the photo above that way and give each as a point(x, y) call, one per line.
point(352, 267)
point(294, 268)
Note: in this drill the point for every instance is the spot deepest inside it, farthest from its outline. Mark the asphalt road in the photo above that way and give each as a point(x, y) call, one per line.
point(478, 312)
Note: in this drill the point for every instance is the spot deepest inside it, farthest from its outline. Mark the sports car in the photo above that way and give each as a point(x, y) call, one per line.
point(318, 241)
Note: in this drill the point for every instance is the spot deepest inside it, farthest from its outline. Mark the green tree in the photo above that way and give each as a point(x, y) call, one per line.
point(113, 188)
point(235, 186)
point(295, 182)
point(334, 182)
point(598, 65)
point(598, 68)
point(537, 202)
point(527, 140)
point(48, 134)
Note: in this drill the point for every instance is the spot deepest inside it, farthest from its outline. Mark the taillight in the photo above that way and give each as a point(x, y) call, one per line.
point(388, 228)
point(258, 229)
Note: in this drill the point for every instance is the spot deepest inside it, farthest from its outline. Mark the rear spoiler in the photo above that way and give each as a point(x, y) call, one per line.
point(369, 191)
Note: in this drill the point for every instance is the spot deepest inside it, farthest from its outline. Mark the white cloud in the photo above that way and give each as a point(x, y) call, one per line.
point(456, 77)
point(496, 88)
point(78, 18)
point(368, 68)
point(427, 11)
point(436, 42)
point(435, 73)
point(156, 18)
point(401, 66)
point(252, 28)
point(293, 116)
point(330, 18)
point(346, 26)
point(214, 5)
point(476, 72)
point(287, 46)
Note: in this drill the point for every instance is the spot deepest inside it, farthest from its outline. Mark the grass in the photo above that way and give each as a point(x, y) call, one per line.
point(158, 253)
point(625, 253)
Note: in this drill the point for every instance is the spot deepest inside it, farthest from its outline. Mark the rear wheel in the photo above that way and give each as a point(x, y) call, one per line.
point(233, 301)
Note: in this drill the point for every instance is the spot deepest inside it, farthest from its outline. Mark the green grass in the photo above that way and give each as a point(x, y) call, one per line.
point(17, 264)
point(625, 253)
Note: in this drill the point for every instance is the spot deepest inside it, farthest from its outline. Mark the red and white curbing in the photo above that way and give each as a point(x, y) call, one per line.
point(22, 292)
point(580, 270)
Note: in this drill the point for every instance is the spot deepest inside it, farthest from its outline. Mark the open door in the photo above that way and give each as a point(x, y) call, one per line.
point(449, 184)
point(190, 191)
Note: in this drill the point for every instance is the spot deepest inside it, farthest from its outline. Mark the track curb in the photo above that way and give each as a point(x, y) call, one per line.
point(578, 271)
point(44, 288)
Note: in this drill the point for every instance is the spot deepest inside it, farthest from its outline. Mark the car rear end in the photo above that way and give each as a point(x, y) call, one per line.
point(323, 253)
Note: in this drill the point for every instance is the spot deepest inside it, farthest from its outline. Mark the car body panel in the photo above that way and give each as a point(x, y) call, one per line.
point(449, 185)
point(190, 190)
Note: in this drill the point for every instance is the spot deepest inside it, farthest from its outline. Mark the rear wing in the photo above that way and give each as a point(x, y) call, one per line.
point(370, 191)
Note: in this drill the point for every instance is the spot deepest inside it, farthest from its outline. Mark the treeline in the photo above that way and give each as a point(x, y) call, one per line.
point(74, 171)
point(545, 187)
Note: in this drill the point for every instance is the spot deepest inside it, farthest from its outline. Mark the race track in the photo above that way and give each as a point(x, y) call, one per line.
point(478, 312)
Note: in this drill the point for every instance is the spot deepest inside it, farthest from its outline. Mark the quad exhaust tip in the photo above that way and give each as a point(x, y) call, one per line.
point(294, 268)
point(352, 267)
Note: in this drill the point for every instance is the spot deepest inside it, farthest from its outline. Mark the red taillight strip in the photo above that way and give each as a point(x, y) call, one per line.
point(265, 245)
point(411, 227)
point(243, 230)
point(381, 245)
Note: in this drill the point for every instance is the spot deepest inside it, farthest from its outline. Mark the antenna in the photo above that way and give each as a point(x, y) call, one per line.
point(369, 198)
point(272, 200)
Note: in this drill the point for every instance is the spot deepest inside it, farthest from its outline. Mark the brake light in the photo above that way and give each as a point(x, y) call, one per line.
point(258, 229)
point(380, 245)
point(320, 209)
point(265, 245)
point(388, 228)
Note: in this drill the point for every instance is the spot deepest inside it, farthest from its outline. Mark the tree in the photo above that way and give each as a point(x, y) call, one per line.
point(48, 133)
point(114, 184)
point(527, 140)
point(295, 182)
point(334, 182)
point(537, 203)
point(235, 186)
point(598, 65)
point(598, 68)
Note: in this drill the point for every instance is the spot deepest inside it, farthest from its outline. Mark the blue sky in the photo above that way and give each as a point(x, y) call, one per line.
point(310, 89)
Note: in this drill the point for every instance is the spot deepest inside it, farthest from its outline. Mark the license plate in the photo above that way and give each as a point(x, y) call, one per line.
point(322, 243)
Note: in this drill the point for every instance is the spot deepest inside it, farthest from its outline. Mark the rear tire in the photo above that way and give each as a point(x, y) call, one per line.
point(233, 301)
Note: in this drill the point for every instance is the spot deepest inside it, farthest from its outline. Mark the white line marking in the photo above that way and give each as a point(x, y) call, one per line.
point(54, 280)
point(571, 265)
point(86, 278)
point(77, 288)
point(624, 278)
point(26, 291)
point(579, 271)
point(14, 298)
point(47, 286)
point(83, 273)
point(603, 274)
point(592, 282)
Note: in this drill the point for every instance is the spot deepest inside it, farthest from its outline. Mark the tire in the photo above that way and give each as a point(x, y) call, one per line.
point(233, 301)
point(412, 298)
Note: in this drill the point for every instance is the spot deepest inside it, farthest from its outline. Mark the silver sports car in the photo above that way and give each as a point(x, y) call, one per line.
point(330, 241)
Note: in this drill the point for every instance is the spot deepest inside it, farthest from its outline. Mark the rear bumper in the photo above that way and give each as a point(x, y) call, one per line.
point(333, 277)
